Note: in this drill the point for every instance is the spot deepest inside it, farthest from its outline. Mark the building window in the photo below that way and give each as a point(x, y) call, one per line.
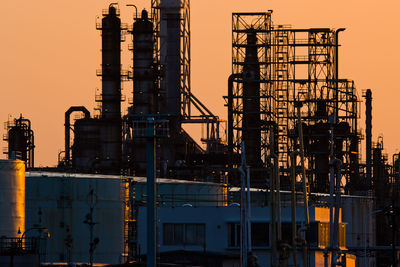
point(184, 234)
point(324, 235)
point(259, 234)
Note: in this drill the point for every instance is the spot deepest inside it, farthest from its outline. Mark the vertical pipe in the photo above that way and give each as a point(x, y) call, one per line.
point(278, 199)
point(67, 125)
point(303, 172)
point(231, 79)
point(151, 194)
point(33, 150)
point(272, 186)
point(273, 218)
point(248, 209)
point(294, 226)
point(368, 134)
point(394, 256)
point(337, 71)
point(304, 180)
point(243, 222)
point(331, 191)
point(335, 167)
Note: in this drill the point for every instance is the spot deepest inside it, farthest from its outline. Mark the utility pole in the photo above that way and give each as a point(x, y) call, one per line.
point(153, 129)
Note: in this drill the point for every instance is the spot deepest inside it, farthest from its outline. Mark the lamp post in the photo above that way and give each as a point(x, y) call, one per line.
point(365, 232)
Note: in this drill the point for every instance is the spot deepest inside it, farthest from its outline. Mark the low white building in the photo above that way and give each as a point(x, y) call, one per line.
point(188, 234)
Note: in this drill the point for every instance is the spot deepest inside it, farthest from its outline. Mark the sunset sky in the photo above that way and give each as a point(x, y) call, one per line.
point(50, 50)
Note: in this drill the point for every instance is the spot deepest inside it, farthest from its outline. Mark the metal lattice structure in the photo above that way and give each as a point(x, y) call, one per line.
point(244, 25)
point(304, 71)
point(297, 66)
point(192, 110)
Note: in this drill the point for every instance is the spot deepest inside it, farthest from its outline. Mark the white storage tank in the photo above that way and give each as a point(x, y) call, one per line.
point(61, 203)
point(12, 197)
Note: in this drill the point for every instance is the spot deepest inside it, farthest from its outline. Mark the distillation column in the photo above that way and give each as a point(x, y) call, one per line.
point(143, 72)
point(111, 92)
point(251, 103)
point(170, 50)
point(144, 89)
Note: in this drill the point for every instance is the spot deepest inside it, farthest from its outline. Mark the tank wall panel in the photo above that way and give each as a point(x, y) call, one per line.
point(12, 197)
point(64, 202)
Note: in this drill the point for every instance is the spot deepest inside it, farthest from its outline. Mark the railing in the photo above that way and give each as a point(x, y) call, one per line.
point(17, 245)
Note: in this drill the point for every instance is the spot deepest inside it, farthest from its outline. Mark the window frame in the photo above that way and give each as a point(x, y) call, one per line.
point(201, 227)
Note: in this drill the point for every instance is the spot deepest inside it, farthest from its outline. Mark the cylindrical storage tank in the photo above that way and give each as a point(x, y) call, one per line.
point(12, 197)
point(65, 201)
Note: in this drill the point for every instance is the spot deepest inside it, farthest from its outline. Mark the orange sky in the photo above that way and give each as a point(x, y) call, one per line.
point(50, 50)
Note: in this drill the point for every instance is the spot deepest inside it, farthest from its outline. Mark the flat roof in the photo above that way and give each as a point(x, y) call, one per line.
point(46, 174)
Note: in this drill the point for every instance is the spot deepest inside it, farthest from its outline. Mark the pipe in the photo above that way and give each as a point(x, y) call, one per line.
point(231, 79)
point(32, 157)
point(304, 244)
point(273, 208)
point(335, 164)
point(243, 236)
point(67, 128)
point(304, 180)
point(303, 172)
point(151, 194)
point(248, 209)
point(26, 122)
point(294, 226)
point(278, 199)
point(337, 70)
point(368, 135)
point(245, 207)
point(135, 9)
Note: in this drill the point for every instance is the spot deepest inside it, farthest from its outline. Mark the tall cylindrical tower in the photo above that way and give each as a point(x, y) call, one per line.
point(251, 102)
point(144, 89)
point(143, 72)
point(110, 133)
point(170, 55)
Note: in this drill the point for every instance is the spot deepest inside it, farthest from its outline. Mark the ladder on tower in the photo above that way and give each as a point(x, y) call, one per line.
point(131, 251)
point(281, 92)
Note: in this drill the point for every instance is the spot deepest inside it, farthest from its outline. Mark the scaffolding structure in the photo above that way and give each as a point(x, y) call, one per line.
point(245, 24)
point(298, 67)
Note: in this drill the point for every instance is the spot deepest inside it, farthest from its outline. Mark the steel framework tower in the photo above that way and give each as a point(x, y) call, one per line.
point(305, 72)
point(251, 99)
point(297, 67)
point(187, 108)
